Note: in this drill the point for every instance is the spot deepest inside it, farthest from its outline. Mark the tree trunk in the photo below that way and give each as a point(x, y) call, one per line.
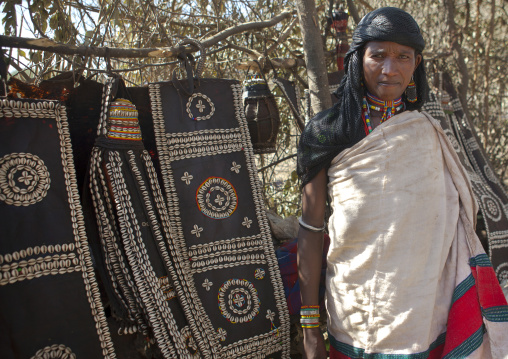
point(314, 56)
point(486, 106)
point(459, 56)
point(476, 48)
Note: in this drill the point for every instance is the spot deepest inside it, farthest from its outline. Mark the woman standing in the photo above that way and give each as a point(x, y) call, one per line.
point(406, 275)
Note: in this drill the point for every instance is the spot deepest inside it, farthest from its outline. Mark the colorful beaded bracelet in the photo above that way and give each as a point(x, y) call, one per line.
point(309, 312)
point(309, 316)
point(306, 307)
point(309, 326)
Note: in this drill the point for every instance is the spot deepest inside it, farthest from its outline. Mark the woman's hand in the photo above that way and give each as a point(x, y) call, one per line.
point(314, 344)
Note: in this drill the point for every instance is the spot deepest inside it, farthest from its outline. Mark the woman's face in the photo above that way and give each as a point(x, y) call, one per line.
point(388, 67)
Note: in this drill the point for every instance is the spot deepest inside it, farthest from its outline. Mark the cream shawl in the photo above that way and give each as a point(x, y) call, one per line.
point(401, 238)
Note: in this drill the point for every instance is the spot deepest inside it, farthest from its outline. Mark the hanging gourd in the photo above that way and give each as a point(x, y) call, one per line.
point(262, 114)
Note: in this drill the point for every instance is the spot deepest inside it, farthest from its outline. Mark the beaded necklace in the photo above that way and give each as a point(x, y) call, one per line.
point(388, 108)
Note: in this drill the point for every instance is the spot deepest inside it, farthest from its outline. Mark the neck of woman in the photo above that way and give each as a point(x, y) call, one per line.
point(377, 104)
point(376, 111)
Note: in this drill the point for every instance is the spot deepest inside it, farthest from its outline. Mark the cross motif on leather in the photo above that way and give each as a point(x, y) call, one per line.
point(187, 178)
point(207, 284)
point(219, 200)
point(197, 230)
point(236, 167)
point(200, 106)
point(25, 178)
point(246, 222)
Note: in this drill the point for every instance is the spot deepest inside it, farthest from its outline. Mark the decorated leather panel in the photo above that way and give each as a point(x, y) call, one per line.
point(132, 233)
point(48, 291)
point(224, 255)
point(491, 197)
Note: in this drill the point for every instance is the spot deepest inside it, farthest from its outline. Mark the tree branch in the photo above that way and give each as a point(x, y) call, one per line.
point(366, 4)
point(59, 48)
point(276, 62)
point(285, 63)
point(353, 11)
point(282, 38)
point(253, 54)
point(255, 25)
point(277, 162)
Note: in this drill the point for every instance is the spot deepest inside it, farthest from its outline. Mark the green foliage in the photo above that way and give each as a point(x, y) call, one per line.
point(40, 14)
point(9, 20)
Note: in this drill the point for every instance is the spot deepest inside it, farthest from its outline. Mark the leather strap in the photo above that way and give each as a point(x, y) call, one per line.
point(188, 61)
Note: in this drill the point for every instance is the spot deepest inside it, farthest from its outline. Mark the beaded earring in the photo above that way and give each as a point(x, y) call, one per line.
point(411, 91)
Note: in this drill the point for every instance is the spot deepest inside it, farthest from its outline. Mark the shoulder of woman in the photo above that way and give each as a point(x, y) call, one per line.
point(327, 115)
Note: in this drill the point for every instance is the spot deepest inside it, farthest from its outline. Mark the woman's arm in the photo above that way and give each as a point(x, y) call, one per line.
point(310, 251)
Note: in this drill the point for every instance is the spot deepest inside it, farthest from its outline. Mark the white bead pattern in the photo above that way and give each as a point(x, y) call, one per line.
point(259, 273)
point(200, 106)
point(197, 230)
point(212, 194)
point(24, 179)
point(187, 178)
point(207, 284)
point(55, 351)
point(222, 334)
point(80, 256)
point(235, 167)
point(238, 301)
point(246, 222)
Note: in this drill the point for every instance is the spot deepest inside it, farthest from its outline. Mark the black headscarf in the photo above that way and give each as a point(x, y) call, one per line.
point(340, 127)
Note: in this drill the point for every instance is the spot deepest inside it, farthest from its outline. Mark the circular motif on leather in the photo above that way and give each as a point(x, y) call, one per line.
point(453, 140)
point(24, 179)
point(200, 107)
point(216, 198)
point(502, 272)
point(491, 208)
point(238, 301)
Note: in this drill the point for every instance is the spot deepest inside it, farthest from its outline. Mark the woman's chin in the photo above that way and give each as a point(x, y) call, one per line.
point(389, 93)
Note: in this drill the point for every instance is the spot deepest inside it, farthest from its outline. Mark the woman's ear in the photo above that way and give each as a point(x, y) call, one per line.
point(418, 60)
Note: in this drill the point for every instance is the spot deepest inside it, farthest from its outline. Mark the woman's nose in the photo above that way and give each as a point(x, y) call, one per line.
point(389, 66)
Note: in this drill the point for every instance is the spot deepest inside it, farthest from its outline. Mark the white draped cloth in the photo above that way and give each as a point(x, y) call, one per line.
point(401, 238)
